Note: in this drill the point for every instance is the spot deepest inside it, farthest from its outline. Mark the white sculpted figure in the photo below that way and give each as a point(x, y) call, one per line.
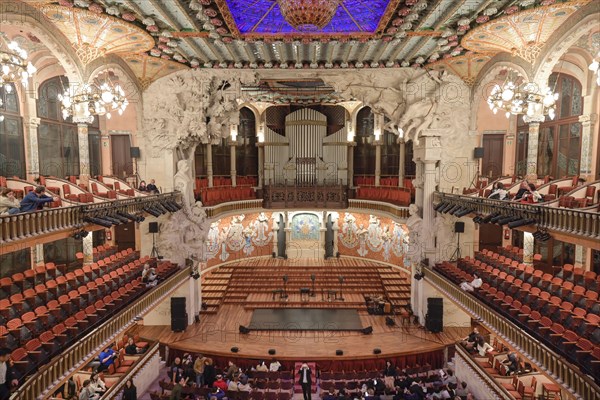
point(415, 227)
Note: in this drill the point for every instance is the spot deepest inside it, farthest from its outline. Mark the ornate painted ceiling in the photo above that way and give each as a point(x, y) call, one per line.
point(457, 35)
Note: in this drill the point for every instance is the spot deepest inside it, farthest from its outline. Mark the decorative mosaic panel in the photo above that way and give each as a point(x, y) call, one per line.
point(148, 69)
point(306, 227)
point(466, 67)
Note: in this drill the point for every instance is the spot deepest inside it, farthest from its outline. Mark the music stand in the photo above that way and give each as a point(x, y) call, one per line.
point(284, 294)
point(313, 278)
point(340, 298)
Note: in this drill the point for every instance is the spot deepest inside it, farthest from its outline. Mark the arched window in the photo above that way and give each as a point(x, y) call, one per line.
point(12, 148)
point(58, 147)
point(364, 151)
point(247, 152)
point(559, 147)
point(390, 155)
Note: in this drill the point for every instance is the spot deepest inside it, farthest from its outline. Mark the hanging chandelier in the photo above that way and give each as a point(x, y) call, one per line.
point(526, 99)
point(308, 15)
point(14, 67)
point(83, 103)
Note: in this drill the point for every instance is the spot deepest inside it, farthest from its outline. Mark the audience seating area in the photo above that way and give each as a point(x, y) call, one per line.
point(395, 195)
point(44, 310)
point(222, 190)
point(561, 310)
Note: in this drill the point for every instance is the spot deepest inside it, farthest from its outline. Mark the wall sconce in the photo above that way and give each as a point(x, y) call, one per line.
point(349, 131)
point(261, 133)
point(378, 123)
point(233, 132)
point(400, 133)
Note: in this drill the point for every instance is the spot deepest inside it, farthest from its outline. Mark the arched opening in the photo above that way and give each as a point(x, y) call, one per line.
point(246, 151)
point(364, 151)
point(12, 148)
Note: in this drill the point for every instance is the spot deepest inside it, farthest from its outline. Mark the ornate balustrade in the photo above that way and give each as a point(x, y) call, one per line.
point(27, 225)
point(57, 369)
point(283, 196)
point(565, 220)
point(379, 207)
point(546, 359)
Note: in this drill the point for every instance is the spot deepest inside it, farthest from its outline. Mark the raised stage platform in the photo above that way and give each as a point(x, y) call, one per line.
point(218, 330)
point(304, 319)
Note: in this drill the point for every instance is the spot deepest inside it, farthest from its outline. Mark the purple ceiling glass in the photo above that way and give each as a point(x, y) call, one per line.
point(264, 16)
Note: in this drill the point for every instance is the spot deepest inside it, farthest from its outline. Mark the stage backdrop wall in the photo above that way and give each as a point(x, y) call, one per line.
point(372, 237)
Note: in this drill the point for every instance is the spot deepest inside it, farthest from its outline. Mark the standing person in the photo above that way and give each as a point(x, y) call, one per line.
point(178, 389)
point(232, 370)
point(176, 372)
point(389, 375)
point(199, 370)
point(7, 375)
point(130, 391)
point(305, 381)
point(274, 366)
point(209, 372)
point(35, 199)
point(8, 203)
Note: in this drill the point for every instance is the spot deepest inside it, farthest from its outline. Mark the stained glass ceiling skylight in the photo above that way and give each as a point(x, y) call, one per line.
point(351, 17)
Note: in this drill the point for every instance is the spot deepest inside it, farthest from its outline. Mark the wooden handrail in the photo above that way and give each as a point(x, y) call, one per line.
point(27, 225)
point(571, 221)
point(53, 373)
point(545, 358)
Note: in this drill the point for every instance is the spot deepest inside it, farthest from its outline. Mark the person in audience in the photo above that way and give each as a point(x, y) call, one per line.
point(8, 378)
point(131, 349)
point(149, 275)
point(107, 358)
point(512, 363)
point(461, 390)
point(176, 371)
point(483, 347)
point(523, 188)
point(86, 392)
point(262, 367)
point(220, 383)
point(97, 385)
point(143, 187)
point(8, 203)
point(216, 394)
point(244, 386)
point(130, 391)
point(469, 341)
point(474, 284)
point(398, 394)
point(232, 370)
point(151, 187)
point(330, 395)
point(199, 370)
point(418, 388)
point(233, 384)
point(532, 195)
point(209, 372)
point(177, 390)
point(35, 199)
point(305, 381)
point(242, 377)
point(343, 395)
point(187, 363)
point(449, 378)
point(499, 193)
point(389, 374)
point(377, 384)
point(274, 366)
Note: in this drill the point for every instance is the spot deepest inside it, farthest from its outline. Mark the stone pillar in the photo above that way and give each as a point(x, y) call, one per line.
point(233, 164)
point(429, 184)
point(84, 153)
point(88, 249)
point(377, 163)
point(275, 230)
point(335, 238)
point(261, 164)
point(351, 164)
point(31, 147)
point(418, 182)
point(587, 142)
point(580, 255)
point(532, 146)
point(209, 164)
point(106, 154)
point(402, 161)
point(37, 254)
point(528, 247)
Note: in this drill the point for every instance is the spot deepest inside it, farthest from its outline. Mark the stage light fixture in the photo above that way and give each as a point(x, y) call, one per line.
point(98, 221)
point(128, 216)
point(521, 222)
point(506, 220)
point(161, 208)
point(497, 218)
point(453, 209)
point(151, 211)
point(489, 217)
point(446, 208)
point(464, 212)
point(112, 220)
point(440, 205)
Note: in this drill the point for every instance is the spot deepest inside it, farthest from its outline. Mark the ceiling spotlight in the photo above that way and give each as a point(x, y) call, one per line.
point(506, 220)
point(98, 221)
point(463, 212)
point(521, 222)
point(489, 217)
point(151, 211)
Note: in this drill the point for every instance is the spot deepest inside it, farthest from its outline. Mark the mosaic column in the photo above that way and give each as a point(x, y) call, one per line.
point(580, 253)
point(261, 164)
point(377, 163)
point(37, 254)
point(351, 164)
point(528, 247)
point(587, 139)
point(31, 147)
point(88, 249)
point(209, 164)
point(233, 165)
point(84, 153)
point(401, 162)
point(532, 146)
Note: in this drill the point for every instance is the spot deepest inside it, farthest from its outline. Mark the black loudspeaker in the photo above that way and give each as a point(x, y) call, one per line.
point(244, 330)
point(234, 349)
point(177, 306)
point(134, 152)
point(368, 330)
point(459, 227)
point(153, 227)
point(434, 321)
point(339, 353)
point(389, 321)
point(478, 152)
point(272, 352)
point(376, 351)
point(178, 324)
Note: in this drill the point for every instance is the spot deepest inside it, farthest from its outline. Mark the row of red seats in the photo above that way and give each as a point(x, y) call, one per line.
point(49, 337)
point(569, 329)
point(216, 195)
point(513, 252)
point(396, 195)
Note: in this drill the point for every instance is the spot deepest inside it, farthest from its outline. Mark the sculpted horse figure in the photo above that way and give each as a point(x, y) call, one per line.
point(417, 117)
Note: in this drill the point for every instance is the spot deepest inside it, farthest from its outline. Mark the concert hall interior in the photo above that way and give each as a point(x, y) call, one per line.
point(298, 199)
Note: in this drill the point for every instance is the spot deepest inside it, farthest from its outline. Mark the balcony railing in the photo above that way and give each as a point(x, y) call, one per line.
point(552, 363)
point(284, 196)
point(565, 220)
point(54, 372)
point(27, 225)
point(380, 207)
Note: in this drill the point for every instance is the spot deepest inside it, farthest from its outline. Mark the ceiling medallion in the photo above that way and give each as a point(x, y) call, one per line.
point(308, 15)
point(524, 98)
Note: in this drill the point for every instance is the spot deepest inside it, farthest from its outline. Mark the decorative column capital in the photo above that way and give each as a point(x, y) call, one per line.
point(33, 122)
point(588, 119)
point(534, 119)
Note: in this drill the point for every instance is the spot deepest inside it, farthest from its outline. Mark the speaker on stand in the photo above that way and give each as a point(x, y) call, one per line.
point(459, 227)
point(179, 315)
point(434, 320)
point(153, 229)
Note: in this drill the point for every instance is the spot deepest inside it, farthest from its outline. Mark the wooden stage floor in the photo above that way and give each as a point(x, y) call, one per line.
point(215, 334)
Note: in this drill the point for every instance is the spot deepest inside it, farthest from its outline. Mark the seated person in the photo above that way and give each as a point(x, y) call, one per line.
point(532, 195)
point(97, 385)
point(107, 358)
point(471, 286)
point(86, 393)
point(461, 391)
point(330, 395)
point(143, 187)
point(483, 347)
point(274, 366)
point(149, 275)
point(469, 341)
point(151, 187)
point(220, 383)
point(8, 203)
point(244, 386)
point(216, 393)
point(35, 200)
point(498, 193)
point(512, 363)
point(523, 188)
point(131, 349)
point(262, 367)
